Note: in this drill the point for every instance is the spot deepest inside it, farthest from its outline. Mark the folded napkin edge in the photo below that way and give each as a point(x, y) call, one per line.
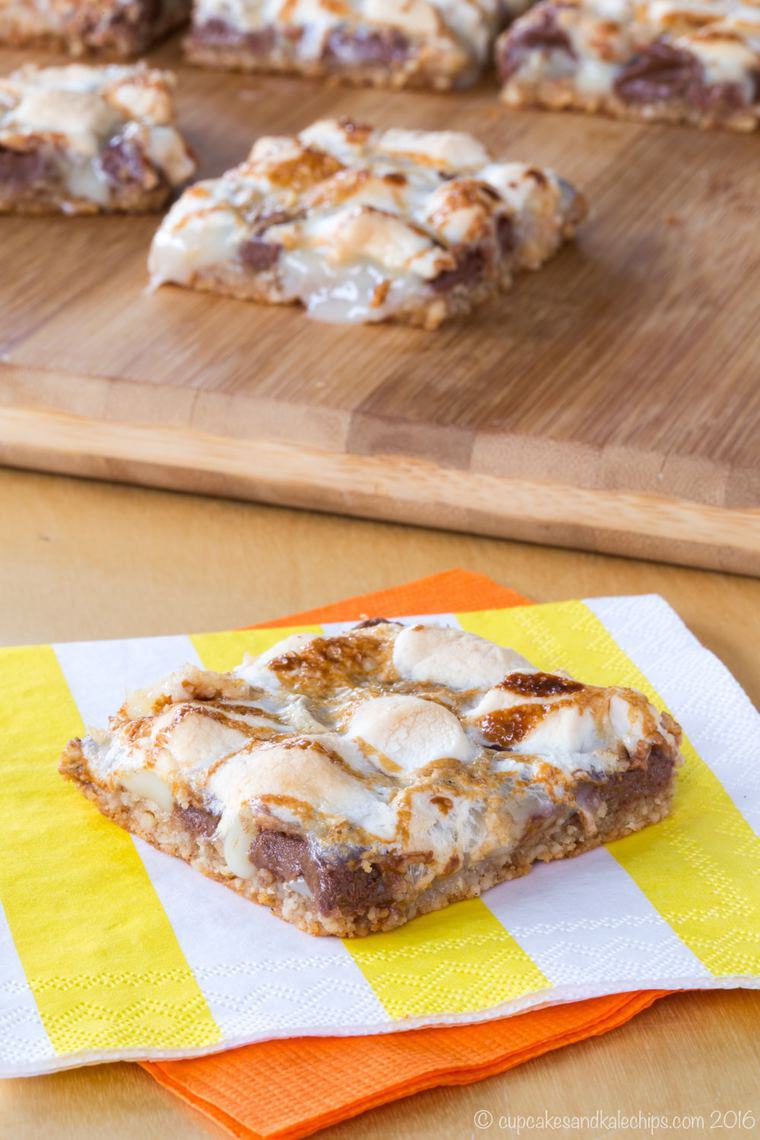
point(625, 1007)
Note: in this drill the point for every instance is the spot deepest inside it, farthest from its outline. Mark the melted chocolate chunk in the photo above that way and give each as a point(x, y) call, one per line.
point(470, 268)
point(379, 47)
point(657, 73)
point(342, 885)
point(539, 684)
point(222, 34)
point(126, 163)
point(616, 790)
point(726, 97)
point(149, 11)
point(197, 820)
point(662, 72)
point(348, 887)
point(258, 254)
point(284, 855)
point(21, 168)
point(505, 234)
point(539, 32)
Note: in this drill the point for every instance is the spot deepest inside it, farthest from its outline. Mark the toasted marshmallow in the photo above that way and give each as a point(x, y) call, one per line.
point(410, 732)
point(452, 657)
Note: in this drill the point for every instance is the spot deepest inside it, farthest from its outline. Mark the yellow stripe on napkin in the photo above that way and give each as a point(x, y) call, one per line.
point(71, 883)
point(457, 960)
point(699, 867)
point(225, 651)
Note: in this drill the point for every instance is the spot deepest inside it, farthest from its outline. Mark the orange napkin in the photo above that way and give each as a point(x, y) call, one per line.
point(292, 1088)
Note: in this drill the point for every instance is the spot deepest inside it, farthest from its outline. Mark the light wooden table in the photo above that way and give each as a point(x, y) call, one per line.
point(86, 560)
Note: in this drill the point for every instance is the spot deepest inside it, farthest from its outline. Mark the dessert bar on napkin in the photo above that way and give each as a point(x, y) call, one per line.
point(124, 959)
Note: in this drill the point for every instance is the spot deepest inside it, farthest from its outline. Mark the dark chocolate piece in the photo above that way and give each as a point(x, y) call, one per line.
point(219, 33)
point(197, 820)
point(258, 254)
point(616, 791)
point(539, 31)
point(340, 885)
point(126, 163)
point(20, 169)
point(659, 72)
point(470, 268)
point(725, 97)
point(505, 234)
point(364, 47)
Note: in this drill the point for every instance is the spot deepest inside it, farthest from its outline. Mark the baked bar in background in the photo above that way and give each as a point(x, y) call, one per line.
point(388, 43)
point(658, 60)
point(352, 782)
point(363, 225)
point(85, 139)
point(120, 28)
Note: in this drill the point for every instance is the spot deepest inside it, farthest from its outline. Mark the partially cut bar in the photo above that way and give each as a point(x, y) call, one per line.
point(352, 782)
point(386, 43)
point(656, 61)
point(86, 139)
point(121, 28)
point(363, 225)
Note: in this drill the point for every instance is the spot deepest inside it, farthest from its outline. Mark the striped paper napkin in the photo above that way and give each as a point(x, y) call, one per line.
point(109, 949)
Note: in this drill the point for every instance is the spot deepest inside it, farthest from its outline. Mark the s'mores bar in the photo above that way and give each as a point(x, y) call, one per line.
point(694, 61)
point(387, 43)
point(121, 28)
point(83, 140)
point(351, 782)
point(363, 225)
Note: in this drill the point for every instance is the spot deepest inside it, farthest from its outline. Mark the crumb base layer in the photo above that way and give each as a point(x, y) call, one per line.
point(424, 313)
point(239, 59)
point(561, 95)
point(628, 809)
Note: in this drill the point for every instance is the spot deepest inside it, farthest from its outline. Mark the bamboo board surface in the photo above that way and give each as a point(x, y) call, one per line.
point(610, 401)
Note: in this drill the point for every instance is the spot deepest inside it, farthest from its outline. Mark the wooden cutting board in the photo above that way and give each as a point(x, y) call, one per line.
point(610, 401)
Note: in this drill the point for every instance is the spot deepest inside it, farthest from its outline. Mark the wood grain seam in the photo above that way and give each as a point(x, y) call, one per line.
point(435, 495)
point(509, 455)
